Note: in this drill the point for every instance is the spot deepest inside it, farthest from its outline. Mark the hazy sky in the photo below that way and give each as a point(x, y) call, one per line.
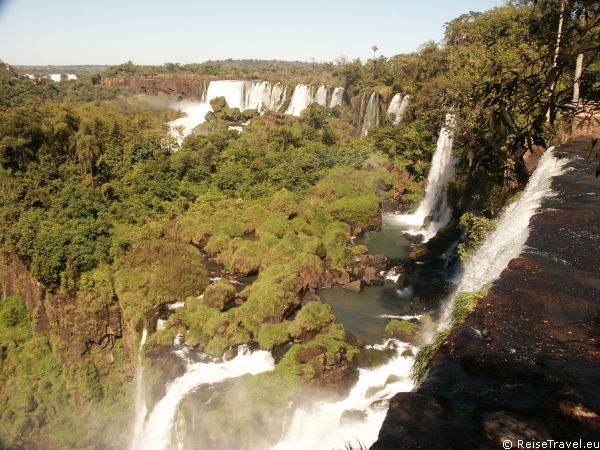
point(154, 32)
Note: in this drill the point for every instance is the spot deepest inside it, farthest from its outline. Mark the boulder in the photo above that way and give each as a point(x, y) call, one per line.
point(355, 286)
point(220, 295)
point(372, 277)
point(344, 278)
point(309, 353)
point(414, 239)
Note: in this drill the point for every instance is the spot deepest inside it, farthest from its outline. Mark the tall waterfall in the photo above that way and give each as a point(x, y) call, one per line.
point(433, 212)
point(394, 107)
point(259, 95)
point(403, 106)
point(265, 96)
point(157, 431)
point(337, 97)
point(140, 400)
point(508, 238)
point(301, 99)
point(321, 96)
point(324, 425)
point(369, 114)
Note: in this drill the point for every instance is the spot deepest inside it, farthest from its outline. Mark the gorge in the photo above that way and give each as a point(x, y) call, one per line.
point(391, 252)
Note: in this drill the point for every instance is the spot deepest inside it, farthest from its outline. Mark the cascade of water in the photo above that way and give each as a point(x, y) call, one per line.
point(402, 110)
point(337, 97)
point(157, 431)
point(325, 426)
point(321, 96)
point(264, 96)
point(394, 108)
point(301, 99)
point(278, 96)
point(140, 400)
point(508, 238)
point(371, 114)
point(433, 212)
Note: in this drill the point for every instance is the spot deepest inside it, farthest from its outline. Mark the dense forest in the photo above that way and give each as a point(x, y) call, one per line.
point(105, 217)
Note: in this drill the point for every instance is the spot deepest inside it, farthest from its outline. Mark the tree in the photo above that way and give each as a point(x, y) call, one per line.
point(374, 48)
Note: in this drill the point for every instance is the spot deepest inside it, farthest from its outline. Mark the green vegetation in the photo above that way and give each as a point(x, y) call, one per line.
point(403, 330)
point(99, 208)
point(424, 355)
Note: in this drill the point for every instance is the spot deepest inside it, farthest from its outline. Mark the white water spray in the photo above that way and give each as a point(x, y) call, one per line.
point(434, 206)
point(140, 400)
point(323, 425)
point(508, 238)
point(158, 429)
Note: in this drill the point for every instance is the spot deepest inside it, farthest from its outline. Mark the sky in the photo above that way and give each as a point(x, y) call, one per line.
point(64, 32)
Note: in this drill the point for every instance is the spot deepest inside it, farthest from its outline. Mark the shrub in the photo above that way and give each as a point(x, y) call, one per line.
point(311, 318)
point(403, 330)
point(271, 335)
point(13, 313)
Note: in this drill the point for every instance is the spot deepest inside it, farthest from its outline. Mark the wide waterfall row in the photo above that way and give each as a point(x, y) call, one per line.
point(260, 95)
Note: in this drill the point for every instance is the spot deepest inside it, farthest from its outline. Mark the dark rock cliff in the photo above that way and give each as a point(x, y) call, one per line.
point(526, 362)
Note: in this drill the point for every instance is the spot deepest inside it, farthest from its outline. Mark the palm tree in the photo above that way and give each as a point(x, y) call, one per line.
point(374, 48)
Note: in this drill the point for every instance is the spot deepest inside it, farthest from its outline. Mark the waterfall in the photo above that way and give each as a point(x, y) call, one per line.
point(397, 108)
point(157, 431)
point(259, 95)
point(140, 398)
point(402, 110)
point(264, 96)
point(433, 212)
point(370, 115)
point(512, 230)
point(337, 97)
point(394, 108)
point(301, 99)
point(321, 96)
point(325, 426)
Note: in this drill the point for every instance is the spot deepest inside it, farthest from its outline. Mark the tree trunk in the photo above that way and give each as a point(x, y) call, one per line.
point(556, 53)
point(577, 85)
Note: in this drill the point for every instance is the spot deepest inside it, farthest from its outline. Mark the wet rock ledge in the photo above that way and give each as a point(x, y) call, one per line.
point(526, 363)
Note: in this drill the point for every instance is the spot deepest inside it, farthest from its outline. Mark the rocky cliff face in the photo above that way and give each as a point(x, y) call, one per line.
point(188, 86)
point(526, 363)
point(85, 322)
